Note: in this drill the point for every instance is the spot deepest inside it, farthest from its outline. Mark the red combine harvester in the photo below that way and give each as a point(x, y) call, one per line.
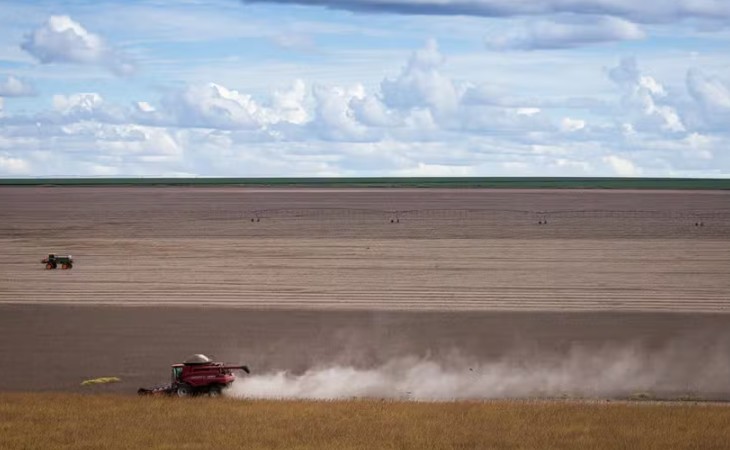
point(198, 375)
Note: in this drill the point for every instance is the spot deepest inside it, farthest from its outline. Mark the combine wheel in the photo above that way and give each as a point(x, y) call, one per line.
point(49, 266)
point(214, 391)
point(184, 390)
point(64, 266)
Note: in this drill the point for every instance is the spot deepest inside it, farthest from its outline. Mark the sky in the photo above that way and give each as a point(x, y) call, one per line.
point(324, 88)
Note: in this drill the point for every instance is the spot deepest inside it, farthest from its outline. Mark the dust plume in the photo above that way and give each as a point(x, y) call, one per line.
point(677, 370)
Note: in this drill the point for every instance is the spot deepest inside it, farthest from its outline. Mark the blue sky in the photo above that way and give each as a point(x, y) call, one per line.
point(365, 88)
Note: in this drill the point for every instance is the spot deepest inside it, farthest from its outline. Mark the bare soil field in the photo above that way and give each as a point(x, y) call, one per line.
point(59, 346)
point(113, 213)
point(369, 249)
point(285, 279)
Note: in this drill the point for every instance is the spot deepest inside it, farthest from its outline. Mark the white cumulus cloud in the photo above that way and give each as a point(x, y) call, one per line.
point(214, 106)
point(566, 33)
point(421, 84)
point(290, 105)
point(10, 165)
point(87, 102)
point(645, 98)
point(15, 87)
point(621, 166)
point(335, 119)
point(571, 125)
point(62, 40)
point(712, 97)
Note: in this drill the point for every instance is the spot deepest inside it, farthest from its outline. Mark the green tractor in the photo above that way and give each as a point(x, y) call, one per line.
point(53, 261)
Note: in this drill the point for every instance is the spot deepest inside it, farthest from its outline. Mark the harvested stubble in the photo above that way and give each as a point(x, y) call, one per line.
point(108, 421)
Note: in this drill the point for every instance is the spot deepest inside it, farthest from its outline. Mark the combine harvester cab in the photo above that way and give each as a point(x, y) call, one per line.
point(198, 375)
point(53, 261)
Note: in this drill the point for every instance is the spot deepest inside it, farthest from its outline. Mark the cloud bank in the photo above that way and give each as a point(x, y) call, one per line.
point(416, 121)
point(649, 12)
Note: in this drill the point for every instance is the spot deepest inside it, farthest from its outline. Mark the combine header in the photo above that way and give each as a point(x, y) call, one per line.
point(198, 375)
point(53, 261)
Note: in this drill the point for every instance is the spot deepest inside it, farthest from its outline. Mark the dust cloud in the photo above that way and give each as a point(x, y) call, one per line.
point(681, 369)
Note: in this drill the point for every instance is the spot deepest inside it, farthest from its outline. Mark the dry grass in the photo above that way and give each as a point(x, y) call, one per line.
point(107, 421)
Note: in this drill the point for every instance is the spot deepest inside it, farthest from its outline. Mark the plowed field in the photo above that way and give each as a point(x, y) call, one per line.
point(427, 270)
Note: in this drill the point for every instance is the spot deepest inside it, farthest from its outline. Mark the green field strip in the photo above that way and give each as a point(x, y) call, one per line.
point(418, 182)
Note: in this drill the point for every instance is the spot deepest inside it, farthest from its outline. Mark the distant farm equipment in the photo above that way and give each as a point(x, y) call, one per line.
point(198, 375)
point(53, 261)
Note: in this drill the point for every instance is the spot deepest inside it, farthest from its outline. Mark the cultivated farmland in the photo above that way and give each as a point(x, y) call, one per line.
point(478, 282)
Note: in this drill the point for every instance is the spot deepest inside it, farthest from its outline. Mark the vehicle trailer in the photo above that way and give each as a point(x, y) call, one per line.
point(198, 375)
point(53, 261)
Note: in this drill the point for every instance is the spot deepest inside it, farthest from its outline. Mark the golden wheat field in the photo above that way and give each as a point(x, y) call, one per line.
point(43, 421)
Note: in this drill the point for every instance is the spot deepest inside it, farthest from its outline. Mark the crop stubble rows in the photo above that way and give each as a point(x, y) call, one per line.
point(370, 249)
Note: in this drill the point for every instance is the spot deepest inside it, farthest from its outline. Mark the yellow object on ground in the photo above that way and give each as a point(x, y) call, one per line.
point(102, 380)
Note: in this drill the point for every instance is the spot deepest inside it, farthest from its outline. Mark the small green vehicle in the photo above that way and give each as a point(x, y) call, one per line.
point(53, 261)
